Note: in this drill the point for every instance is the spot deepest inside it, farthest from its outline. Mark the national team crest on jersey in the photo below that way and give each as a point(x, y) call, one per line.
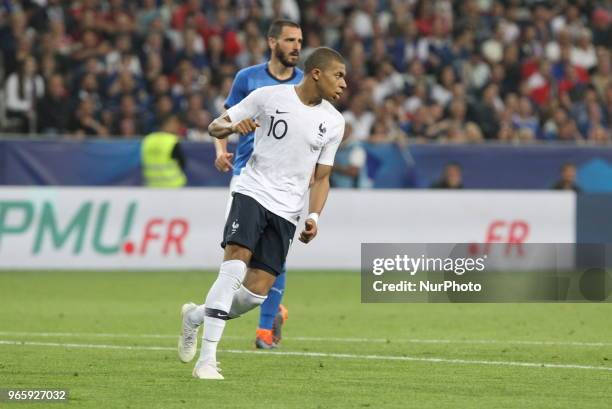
point(322, 129)
point(320, 137)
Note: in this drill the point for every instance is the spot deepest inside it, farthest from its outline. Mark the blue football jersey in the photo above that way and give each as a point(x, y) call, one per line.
point(247, 80)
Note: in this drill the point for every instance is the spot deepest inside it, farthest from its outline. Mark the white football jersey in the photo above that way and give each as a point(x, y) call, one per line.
point(291, 139)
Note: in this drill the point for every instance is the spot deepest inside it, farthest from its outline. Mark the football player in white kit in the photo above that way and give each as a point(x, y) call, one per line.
point(296, 129)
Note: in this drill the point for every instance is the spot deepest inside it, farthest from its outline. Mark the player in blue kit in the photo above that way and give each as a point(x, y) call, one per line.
point(285, 43)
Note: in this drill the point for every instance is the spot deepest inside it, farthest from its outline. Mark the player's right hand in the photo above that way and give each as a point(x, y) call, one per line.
point(223, 162)
point(245, 126)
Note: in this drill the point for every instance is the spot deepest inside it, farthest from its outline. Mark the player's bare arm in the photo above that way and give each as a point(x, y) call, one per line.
point(223, 158)
point(222, 127)
point(318, 196)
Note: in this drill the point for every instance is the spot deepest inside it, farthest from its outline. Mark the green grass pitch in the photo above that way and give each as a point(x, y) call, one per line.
point(109, 338)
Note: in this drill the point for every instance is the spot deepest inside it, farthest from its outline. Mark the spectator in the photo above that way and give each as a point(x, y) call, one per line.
point(128, 113)
point(567, 179)
point(62, 42)
point(583, 53)
point(195, 118)
point(122, 57)
point(163, 108)
point(603, 72)
point(91, 45)
point(476, 72)
point(569, 131)
point(608, 104)
point(156, 43)
point(16, 41)
point(513, 69)
point(127, 128)
point(90, 89)
point(84, 123)
point(253, 54)
point(485, 111)
point(442, 91)
point(455, 127)
point(146, 15)
point(555, 123)
point(422, 123)
point(189, 9)
point(359, 117)
point(380, 132)
point(124, 83)
point(594, 118)
point(188, 82)
point(192, 49)
point(48, 67)
point(388, 82)
point(452, 177)
point(540, 84)
point(23, 89)
point(602, 27)
point(525, 117)
point(599, 135)
point(350, 164)
point(222, 27)
point(54, 108)
point(153, 68)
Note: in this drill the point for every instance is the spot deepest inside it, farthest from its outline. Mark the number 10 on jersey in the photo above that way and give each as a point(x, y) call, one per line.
point(278, 128)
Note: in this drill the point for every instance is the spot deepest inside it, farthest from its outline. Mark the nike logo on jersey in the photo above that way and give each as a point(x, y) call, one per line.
point(282, 112)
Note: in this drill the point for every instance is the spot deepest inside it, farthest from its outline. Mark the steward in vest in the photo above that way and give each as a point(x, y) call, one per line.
point(163, 162)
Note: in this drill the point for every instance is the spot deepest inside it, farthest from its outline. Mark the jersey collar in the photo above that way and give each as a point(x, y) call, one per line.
point(277, 79)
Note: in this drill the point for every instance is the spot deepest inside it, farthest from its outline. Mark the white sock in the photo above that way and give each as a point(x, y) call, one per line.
point(218, 304)
point(209, 350)
point(244, 301)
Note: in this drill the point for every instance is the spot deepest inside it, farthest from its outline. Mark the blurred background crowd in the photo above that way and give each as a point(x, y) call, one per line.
point(443, 70)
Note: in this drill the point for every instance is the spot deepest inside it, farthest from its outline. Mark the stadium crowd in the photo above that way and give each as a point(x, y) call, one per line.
point(458, 71)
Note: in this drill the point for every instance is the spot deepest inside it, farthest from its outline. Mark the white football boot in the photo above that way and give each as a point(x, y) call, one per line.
point(188, 340)
point(207, 370)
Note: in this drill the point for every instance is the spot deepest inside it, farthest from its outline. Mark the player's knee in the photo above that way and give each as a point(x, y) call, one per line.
point(258, 288)
point(235, 271)
point(258, 281)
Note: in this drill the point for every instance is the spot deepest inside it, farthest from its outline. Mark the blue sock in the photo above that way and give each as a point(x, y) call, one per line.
point(269, 308)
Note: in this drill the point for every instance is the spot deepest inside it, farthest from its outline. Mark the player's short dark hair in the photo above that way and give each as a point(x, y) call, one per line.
point(277, 27)
point(321, 58)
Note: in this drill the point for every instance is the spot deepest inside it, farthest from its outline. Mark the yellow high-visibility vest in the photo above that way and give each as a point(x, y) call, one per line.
point(158, 167)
